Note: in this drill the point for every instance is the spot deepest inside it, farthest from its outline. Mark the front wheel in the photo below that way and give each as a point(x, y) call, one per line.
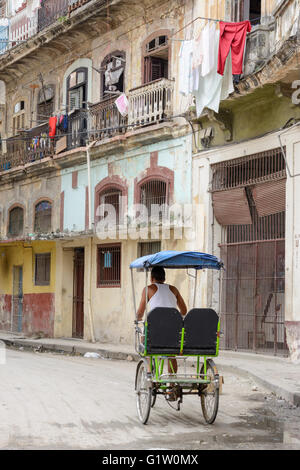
point(143, 389)
point(210, 393)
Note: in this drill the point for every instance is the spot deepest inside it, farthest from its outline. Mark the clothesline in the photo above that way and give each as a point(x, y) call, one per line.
point(204, 18)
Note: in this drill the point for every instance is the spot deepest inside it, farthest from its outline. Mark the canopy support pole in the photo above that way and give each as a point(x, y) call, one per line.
point(195, 288)
point(146, 292)
point(133, 294)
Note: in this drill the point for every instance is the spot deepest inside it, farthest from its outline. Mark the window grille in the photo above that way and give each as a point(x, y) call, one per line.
point(154, 192)
point(148, 248)
point(16, 221)
point(245, 171)
point(42, 269)
point(42, 219)
point(109, 266)
point(112, 196)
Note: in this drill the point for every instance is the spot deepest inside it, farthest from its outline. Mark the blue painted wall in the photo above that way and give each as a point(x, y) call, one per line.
point(174, 154)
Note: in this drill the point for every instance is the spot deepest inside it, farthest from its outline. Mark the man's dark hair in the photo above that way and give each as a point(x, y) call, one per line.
point(158, 273)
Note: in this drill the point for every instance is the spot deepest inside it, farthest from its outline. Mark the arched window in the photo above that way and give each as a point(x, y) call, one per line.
point(42, 217)
point(112, 77)
point(113, 196)
point(153, 191)
point(16, 221)
point(156, 58)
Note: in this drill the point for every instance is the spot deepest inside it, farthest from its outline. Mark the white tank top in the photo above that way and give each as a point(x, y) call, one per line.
point(163, 297)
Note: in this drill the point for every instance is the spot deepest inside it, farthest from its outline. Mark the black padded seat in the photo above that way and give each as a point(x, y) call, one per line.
point(164, 331)
point(200, 332)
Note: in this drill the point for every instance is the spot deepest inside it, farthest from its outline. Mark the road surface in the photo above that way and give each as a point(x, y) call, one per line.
point(52, 401)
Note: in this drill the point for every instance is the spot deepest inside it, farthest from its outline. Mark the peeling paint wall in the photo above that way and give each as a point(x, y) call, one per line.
point(38, 308)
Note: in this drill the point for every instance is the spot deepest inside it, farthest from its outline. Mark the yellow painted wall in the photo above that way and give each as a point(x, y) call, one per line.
point(23, 254)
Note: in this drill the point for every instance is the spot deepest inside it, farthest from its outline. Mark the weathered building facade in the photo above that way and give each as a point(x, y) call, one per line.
point(245, 179)
point(238, 166)
point(78, 283)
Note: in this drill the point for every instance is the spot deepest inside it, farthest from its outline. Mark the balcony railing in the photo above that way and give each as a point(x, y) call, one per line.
point(27, 147)
point(151, 103)
point(77, 129)
point(51, 11)
point(105, 120)
point(148, 104)
point(22, 26)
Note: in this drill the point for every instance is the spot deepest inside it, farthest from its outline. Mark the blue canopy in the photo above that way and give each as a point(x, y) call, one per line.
point(178, 259)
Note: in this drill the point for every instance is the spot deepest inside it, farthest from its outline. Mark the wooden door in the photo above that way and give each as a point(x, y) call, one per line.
point(78, 294)
point(17, 300)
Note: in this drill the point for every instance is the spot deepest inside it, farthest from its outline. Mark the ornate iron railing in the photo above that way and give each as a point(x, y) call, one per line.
point(51, 11)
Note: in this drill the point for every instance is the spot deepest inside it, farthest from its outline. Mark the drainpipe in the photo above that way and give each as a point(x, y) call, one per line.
point(88, 161)
point(89, 295)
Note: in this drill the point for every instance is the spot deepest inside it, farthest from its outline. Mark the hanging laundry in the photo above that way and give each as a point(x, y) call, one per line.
point(213, 87)
point(52, 126)
point(65, 123)
point(208, 42)
point(122, 104)
point(185, 67)
point(232, 36)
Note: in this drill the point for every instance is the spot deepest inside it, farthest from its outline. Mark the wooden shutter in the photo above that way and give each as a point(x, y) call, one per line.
point(269, 197)
point(76, 98)
point(231, 207)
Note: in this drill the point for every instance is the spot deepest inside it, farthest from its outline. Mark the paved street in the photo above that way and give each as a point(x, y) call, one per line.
point(52, 401)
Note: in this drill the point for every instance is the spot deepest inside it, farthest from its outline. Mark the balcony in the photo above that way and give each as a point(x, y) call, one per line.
point(77, 129)
point(105, 120)
point(151, 103)
point(51, 11)
point(148, 104)
point(23, 25)
point(27, 147)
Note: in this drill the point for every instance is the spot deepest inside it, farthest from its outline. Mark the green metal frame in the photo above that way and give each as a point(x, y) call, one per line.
point(159, 361)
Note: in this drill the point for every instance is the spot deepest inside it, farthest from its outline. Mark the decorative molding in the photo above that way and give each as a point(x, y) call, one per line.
point(224, 119)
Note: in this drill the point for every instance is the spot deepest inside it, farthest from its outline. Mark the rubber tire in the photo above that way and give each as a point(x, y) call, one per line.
point(154, 395)
point(210, 418)
point(142, 414)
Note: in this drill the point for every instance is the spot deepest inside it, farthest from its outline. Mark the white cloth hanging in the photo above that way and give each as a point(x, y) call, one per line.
point(185, 67)
point(213, 87)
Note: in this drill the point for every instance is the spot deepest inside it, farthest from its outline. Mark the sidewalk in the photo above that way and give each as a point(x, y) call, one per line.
point(277, 374)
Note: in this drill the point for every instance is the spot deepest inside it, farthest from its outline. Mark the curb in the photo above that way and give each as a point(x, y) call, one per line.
point(291, 397)
point(71, 350)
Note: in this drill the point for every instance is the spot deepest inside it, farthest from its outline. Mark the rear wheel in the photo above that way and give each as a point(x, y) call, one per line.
point(143, 390)
point(210, 393)
point(154, 394)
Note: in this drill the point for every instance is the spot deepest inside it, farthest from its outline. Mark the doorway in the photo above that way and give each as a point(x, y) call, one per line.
point(17, 300)
point(78, 294)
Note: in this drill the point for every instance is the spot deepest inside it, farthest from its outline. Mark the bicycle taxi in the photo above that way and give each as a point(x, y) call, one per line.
point(165, 334)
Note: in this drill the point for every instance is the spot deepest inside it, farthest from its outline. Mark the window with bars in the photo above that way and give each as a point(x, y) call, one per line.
point(16, 221)
point(112, 196)
point(148, 248)
point(246, 10)
point(42, 217)
point(262, 179)
point(153, 192)
point(42, 269)
point(109, 265)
